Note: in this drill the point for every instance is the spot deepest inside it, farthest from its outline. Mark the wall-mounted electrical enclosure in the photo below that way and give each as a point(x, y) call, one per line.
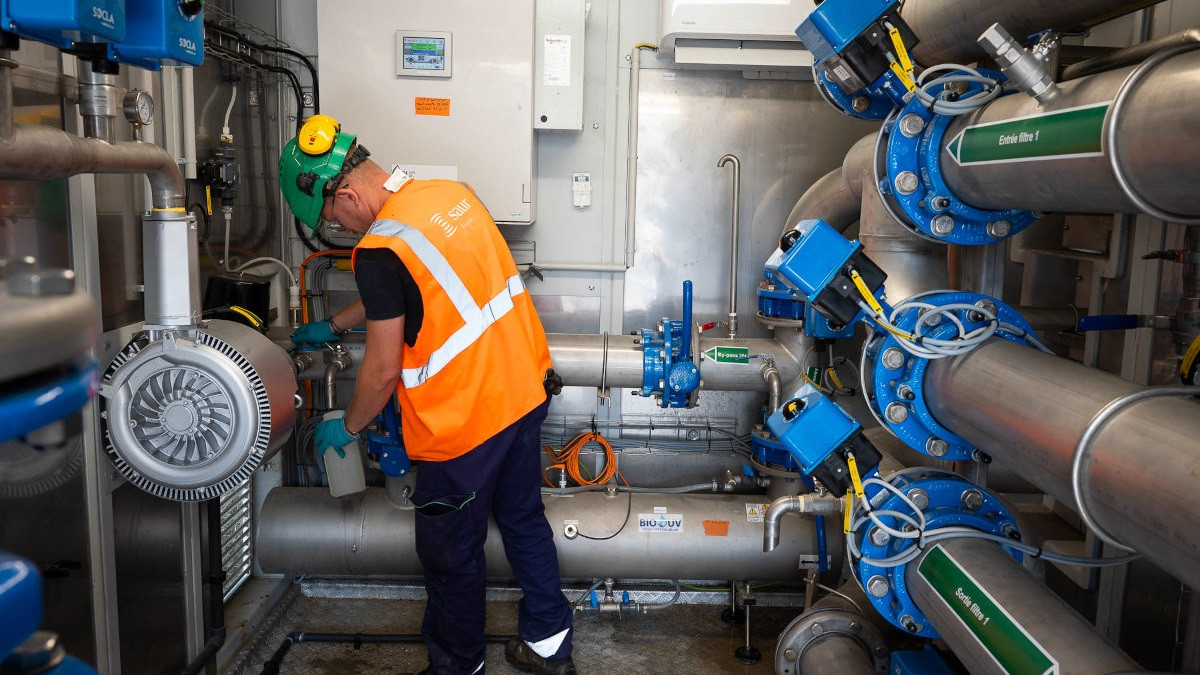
point(161, 31)
point(63, 22)
point(476, 123)
point(753, 34)
point(558, 65)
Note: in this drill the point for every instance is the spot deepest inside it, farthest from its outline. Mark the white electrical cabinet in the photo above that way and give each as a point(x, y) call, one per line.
point(442, 89)
point(558, 65)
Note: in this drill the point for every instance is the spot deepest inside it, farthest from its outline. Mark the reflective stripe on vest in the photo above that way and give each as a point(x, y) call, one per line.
point(475, 319)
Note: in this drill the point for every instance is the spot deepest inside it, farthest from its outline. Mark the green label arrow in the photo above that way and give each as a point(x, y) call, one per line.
point(1008, 642)
point(728, 354)
point(1075, 132)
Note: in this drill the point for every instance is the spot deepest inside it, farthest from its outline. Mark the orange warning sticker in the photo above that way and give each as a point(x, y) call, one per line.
point(716, 528)
point(432, 106)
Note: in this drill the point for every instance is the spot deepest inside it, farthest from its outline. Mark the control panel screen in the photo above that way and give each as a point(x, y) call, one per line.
point(424, 53)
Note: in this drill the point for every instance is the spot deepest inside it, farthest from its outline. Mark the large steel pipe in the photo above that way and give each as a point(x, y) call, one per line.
point(1160, 109)
point(305, 531)
point(998, 619)
point(1028, 410)
point(948, 28)
point(835, 196)
point(913, 264)
point(41, 153)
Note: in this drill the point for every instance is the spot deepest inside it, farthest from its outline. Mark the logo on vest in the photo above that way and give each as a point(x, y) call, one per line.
point(450, 225)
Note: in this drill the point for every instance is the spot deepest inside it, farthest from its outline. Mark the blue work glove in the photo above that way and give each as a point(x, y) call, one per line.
point(332, 434)
point(314, 331)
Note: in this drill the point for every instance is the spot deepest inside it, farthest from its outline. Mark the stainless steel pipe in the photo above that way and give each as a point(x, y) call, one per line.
point(836, 196)
point(948, 28)
point(1130, 56)
point(1160, 109)
point(978, 634)
point(733, 241)
point(580, 360)
point(806, 504)
point(913, 264)
point(6, 95)
point(1028, 410)
point(41, 153)
point(33, 152)
point(304, 530)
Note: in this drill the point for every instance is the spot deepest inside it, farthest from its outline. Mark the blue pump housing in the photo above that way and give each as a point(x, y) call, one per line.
point(158, 32)
point(63, 22)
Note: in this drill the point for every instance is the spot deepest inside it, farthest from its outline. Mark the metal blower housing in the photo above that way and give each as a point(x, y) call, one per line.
point(190, 416)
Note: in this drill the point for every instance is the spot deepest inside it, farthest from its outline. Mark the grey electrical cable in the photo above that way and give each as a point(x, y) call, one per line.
point(1084, 447)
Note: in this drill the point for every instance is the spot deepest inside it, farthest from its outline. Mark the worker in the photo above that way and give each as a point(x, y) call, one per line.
point(453, 334)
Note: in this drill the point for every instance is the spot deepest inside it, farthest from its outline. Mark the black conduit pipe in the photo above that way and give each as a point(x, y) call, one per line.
point(271, 667)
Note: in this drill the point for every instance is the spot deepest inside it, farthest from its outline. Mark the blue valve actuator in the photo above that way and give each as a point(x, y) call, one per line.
point(389, 446)
point(595, 602)
point(815, 261)
point(821, 437)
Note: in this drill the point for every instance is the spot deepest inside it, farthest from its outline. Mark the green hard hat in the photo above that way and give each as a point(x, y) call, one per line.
point(309, 162)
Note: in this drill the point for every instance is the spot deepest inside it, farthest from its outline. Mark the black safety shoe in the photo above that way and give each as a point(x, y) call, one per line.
point(520, 656)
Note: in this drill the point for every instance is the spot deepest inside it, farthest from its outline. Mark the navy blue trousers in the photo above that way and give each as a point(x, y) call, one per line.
point(500, 478)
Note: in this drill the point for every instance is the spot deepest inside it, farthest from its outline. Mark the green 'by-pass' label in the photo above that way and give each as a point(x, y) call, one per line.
point(1076, 132)
point(728, 354)
point(1013, 648)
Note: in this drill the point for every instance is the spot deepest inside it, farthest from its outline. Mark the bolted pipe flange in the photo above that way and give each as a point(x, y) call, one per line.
point(898, 378)
point(824, 623)
point(943, 500)
point(908, 175)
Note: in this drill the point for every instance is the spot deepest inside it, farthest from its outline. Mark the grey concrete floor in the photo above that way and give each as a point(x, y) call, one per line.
point(682, 639)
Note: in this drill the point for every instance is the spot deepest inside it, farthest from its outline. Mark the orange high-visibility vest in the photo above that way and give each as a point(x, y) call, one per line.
point(480, 357)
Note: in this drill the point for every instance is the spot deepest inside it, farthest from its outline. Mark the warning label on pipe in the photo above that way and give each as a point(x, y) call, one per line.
point(1013, 648)
point(1062, 134)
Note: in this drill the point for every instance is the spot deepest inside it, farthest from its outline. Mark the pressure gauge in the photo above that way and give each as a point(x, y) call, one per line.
point(138, 107)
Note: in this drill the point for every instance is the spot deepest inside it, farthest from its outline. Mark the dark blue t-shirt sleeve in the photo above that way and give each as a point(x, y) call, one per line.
point(388, 290)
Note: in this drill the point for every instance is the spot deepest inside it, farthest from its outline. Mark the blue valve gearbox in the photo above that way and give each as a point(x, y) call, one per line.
point(860, 55)
point(820, 436)
point(816, 262)
point(669, 369)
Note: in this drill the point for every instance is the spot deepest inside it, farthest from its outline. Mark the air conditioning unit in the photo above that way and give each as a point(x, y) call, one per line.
point(748, 35)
